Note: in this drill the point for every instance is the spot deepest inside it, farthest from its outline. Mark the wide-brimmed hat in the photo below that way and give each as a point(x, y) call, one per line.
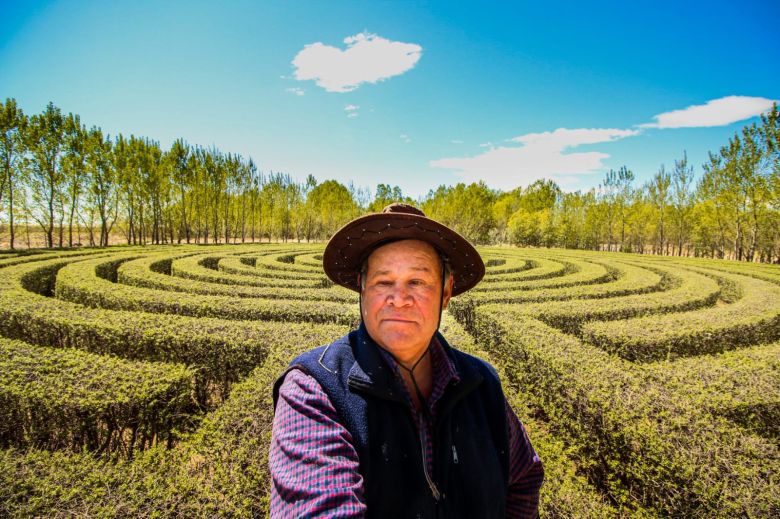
point(353, 243)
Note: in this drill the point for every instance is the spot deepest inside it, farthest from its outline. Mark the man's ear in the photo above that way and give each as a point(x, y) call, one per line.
point(447, 292)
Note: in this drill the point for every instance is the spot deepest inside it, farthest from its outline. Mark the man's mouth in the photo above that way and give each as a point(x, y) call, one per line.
point(397, 320)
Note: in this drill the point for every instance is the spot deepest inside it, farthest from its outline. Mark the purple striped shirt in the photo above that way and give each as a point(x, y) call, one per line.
point(314, 466)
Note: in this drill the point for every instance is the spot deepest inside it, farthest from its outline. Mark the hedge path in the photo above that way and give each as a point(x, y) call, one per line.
point(611, 360)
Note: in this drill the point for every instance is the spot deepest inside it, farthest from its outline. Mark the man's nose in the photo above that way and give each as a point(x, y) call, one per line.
point(400, 295)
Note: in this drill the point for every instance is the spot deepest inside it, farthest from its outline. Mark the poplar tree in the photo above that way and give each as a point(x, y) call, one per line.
point(45, 140)
point(73, 167)
point(12, 148)
point(179, 156)
point(682, 200)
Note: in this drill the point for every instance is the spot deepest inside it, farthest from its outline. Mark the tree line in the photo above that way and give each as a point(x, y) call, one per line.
point(77, 186)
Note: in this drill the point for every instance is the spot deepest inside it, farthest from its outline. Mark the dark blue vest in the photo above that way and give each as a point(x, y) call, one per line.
point(470, 458)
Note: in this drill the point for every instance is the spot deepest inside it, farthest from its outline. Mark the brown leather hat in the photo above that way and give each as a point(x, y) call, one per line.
point(353, 243)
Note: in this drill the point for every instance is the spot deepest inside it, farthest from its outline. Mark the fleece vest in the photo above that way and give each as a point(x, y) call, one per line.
point(470, 441)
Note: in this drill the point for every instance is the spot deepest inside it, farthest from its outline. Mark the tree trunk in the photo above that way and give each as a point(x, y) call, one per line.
point(11, 209)
point(70, 223)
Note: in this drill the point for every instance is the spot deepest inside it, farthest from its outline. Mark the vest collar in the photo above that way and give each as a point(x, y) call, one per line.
point(371, 375)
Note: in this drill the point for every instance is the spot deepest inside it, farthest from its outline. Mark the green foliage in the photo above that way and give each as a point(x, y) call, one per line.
point(467, 209)
point(154, 273)
point(66, 398)
point(57, 174)
point(81, 283)
point(682, 434)
point(223, 351)
point(651, 450)
point(753, 318)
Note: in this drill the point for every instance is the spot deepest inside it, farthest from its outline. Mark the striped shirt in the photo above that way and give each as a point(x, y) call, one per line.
point(315, 468)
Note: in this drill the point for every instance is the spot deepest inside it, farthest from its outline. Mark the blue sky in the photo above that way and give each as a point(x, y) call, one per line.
point(414, 94)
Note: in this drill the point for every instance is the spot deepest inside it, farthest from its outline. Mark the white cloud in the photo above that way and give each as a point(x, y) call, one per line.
point(718, 112)
point(352, 110)
point(456, 141)
point(296, 91)
point(368, 58)
point(540, 155)
point(405, 138)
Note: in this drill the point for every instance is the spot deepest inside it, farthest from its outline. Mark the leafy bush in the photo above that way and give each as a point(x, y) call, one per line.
point(66, 398)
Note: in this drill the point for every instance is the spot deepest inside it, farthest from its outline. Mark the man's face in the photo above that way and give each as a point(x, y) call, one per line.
point(402, 295)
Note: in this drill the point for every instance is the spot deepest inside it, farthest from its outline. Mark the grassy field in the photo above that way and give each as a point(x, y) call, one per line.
point(136, 381)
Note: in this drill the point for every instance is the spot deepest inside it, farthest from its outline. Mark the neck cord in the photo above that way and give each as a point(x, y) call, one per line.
point(423, 403)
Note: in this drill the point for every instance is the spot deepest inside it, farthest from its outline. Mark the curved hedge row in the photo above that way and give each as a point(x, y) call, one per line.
point(289, 261)
point(66, 398)
point(693, 436)
point(237, 265)
point(620, 279)
point(79, 283)
point(224, 351)
point(499, 262)
point(586, 273)
point(195, 268)
point(8, 260)
point(542, 269)
point(685, 290)
point(752, 319)
point(651, 449)
point(150, 272)
point(741, 385)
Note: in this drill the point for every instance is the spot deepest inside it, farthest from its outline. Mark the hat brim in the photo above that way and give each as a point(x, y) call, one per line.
point(351, 245)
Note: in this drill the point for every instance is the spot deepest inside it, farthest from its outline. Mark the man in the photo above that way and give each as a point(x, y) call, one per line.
point(389, 420)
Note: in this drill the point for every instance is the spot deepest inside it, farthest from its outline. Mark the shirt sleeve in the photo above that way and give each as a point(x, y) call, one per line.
point(314, 465)
point(525, 471)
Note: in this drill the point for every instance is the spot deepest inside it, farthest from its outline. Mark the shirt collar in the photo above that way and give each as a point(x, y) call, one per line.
point(444, 371)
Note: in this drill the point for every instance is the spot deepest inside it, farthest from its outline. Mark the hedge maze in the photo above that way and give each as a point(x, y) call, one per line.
point(136, 381)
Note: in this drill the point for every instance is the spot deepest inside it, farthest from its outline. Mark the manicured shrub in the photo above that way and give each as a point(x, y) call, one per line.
point(80, 283)
point(152, 272)
point(66, 398)
point(754, 318)
point(691, 432)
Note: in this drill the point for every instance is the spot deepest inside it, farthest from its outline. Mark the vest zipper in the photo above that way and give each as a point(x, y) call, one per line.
point(431, 484)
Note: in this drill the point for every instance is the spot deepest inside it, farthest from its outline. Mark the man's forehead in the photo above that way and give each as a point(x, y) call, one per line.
point(416, 254)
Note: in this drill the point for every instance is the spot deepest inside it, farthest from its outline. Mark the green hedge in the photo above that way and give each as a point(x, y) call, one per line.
point(734, 266)
point(648, 447)
point(235, 265)
point(682, 290)
point(39, 255)
point(220, 470)
point(79, 283)
point(223, 351)
point(543, 269)
point(151, 272)
point(500, 262)
point(290, 260)
point(586, 273)
point(754, 318)
point(193, 268)
point(311, 259)
point(741, 385)
point(66, 398)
